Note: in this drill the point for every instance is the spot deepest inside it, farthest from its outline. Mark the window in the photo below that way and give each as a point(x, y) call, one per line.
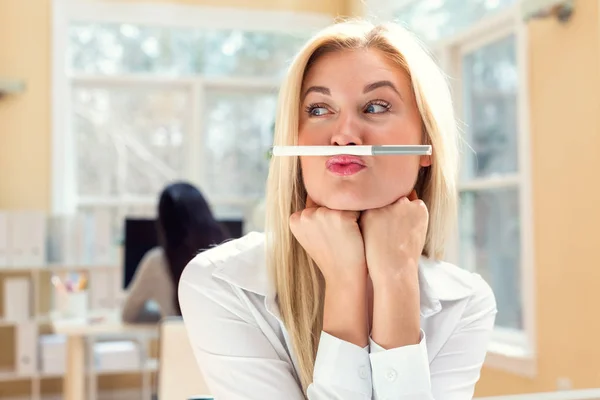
point(125, 48)
point(489, 182)
point(433, 20)
point(478, 43)
point(150, 99)
point(237, 148)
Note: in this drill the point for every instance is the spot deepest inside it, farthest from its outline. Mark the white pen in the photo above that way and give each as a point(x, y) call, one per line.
point(283, 151)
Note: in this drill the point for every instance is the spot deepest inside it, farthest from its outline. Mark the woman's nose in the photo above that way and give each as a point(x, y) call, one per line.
point(347, 132)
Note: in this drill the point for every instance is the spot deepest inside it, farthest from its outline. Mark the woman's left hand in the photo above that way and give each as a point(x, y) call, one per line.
point(394, 237)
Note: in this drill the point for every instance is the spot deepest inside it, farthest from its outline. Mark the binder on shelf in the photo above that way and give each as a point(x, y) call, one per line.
point(25, 349)
point(17, 299)
point(4, 256)
point(66, 239)
point(102, 247)
point(80, 239)
point(27, 238)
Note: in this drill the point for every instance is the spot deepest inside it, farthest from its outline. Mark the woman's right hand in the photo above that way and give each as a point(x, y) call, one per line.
point(332, 238)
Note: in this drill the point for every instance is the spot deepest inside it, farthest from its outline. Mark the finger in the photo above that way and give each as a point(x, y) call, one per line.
point(310, 203)
point(413, 195)
point(355, 215)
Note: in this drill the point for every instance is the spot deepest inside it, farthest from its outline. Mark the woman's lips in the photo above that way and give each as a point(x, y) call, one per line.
point(343, 165)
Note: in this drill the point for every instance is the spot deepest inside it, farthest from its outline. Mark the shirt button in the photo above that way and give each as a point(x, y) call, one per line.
point(362, 372)
point(391, 375)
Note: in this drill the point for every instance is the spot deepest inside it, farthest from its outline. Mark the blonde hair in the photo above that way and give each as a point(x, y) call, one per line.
point(297, 279)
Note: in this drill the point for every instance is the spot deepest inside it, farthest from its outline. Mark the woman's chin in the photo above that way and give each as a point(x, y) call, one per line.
point(355, 203)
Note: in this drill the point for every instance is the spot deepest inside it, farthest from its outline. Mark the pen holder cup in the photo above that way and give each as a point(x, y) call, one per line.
point(72, 305)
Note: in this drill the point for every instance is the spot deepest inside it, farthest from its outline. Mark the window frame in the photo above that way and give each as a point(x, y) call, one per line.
point(510, 350)
point(64, 12)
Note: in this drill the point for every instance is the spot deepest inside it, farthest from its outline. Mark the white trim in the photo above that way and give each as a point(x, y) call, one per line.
point(583, 394)
point(188, 16)
point(492, 182)
point(179, 80)
point(487, 27)
point(62, 169)
point(510, 359)
point(129, 200)
point(512, 337)
point(526, 201)
point(485, 38)
point(115, 201)
point(195, 151)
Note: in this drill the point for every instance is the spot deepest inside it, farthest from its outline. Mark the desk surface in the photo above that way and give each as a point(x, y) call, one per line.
point(108, 323)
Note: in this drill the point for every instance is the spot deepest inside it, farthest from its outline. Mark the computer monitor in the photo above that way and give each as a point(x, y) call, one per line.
point(234, 227)
point(141, 236)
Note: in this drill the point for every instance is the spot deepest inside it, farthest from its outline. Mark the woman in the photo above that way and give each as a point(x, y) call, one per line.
point(185, 226)
point(346, 296)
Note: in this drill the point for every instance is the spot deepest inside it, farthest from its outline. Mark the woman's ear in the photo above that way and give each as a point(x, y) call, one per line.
point(425, 161)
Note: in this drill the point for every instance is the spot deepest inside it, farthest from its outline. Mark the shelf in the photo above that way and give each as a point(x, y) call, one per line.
point(11, 86)
point(55, 268)
point(8, 375)
point(50, 375)
point(151, 365)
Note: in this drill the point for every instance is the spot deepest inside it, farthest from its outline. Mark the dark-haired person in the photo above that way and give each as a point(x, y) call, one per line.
point(186, 227)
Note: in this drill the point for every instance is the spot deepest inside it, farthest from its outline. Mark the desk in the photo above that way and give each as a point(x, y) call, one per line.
point(77, 331)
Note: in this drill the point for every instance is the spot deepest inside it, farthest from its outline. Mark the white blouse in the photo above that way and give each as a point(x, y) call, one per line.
point(151, 281)
point(243, 349)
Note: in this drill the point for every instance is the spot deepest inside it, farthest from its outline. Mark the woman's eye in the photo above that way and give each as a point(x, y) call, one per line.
point(376, 108)
point(316, 111)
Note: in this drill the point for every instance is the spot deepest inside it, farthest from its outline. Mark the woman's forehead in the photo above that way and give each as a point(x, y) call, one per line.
point(349, 69)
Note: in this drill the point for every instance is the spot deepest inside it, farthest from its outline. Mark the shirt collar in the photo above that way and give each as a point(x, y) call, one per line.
point(438, 281)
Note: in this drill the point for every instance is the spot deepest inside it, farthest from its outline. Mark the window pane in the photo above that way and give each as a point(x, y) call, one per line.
point(491, 246)
point(238, 136)
point(124, 48)
point(490, 110)
point(130, 138)
point(96, 151)
point(435, 19)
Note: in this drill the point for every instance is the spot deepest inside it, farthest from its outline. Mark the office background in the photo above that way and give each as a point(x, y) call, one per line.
point(103, 103)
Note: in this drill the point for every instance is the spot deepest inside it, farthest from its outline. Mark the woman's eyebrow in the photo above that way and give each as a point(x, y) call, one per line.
point(318, 89)
point(368, 88)
point(375, 85)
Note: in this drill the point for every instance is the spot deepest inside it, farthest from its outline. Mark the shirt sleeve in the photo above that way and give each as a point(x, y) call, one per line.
point(400, 373)
point(342, 370)
point(405, 373)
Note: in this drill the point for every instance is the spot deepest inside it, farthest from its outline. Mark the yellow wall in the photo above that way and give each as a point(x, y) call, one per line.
point(564, 83)
point(25, 118)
